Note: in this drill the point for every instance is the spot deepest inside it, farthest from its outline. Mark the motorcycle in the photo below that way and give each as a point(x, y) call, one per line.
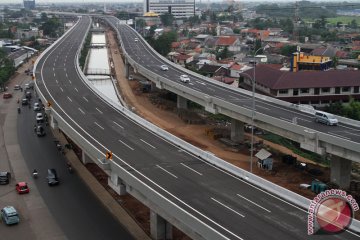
point(35, 174)
point(19, 110)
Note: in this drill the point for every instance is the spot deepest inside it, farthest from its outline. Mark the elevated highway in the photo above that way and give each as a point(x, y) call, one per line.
point(178, 186)
point(341, 144)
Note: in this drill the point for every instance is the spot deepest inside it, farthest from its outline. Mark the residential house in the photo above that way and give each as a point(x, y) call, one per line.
point(317, 88)
point(183, 59)
point(231, 42)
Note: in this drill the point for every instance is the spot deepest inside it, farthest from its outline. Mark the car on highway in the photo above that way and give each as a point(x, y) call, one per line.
point(184, 78)
point(4, 178)
point(52, 177)
point(37, 106)
point(9, 215)
point(164, 67)
point(22, 187)
point(7, 95)
point(39, 117)
point(326, 118)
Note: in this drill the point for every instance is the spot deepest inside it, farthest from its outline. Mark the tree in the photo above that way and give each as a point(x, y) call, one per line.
point(257, 46)
point(163, 44)
point(7, 68)
point(353, 24)
point(51, 26)
point(44, 17)
point(167, 19)
point(288, 50)
point(140, 24)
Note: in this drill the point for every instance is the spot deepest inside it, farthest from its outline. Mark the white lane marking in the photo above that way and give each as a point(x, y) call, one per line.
point(76, 90)
point(61, 89)
point(191, 84)
point(99, 110)
point(191, 169)
point(56, 81)
point(85, 99)
point(66, 75)
point(157, 185)
point(259, 106)
point(338, 135)
point(81, 111)
point(218, 97)
point(227, 207)
point(99, 125)
point(126, 145)
point(211, 89)
point(288, 120)
point(64, 63)
point(118, 125)
point(201, 83)
point(197, 89)
point(305, 120)
point(53, 69)
point(70, 81)
point(253, 203)
point(166, 75)
point(69, 99)
point(54, 75)
point(147, 143)
point(351, 133)
point(166, 171)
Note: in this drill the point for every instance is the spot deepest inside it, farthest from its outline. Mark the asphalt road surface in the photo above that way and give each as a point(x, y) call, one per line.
point(141, 53)
point(227, 204)
point(77, 210)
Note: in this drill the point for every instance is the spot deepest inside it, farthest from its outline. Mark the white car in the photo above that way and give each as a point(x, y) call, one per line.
point(37, 107)
point(184, 78)
point(39, 117)
point(136, 39)
point(164, 67)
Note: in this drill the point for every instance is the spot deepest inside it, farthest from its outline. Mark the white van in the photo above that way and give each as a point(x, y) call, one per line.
point(326, 118)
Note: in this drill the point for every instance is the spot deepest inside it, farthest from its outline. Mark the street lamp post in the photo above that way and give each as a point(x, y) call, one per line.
point(253, 109)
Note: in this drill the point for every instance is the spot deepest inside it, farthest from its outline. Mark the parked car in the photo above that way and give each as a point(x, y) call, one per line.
point(10, 215)
point(164, 67)
point(40, 131)
point(28, 95)
point(39, 117)
point(17, 87)
point(184, 78)
point(5, 178)
point(27, 86)
point(131, 77)
point(37, 106)
point(136, 39)
point(52, 177)
point(22, 187)
point(326, 118)
point(7, 95)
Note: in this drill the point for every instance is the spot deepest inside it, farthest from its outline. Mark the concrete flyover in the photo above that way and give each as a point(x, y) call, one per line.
point(341, 144)
point(182, 185)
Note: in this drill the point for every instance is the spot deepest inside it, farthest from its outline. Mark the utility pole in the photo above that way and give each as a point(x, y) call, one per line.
point(296, 23)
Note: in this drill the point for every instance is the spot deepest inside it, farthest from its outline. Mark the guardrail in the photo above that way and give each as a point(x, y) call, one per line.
point(243, 174)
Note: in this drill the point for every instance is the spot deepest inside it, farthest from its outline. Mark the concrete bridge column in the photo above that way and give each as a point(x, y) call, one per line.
point(116, 184)
point(159, 227)
point(340, 171)
point(85, 158)
point(181, 102)
point(127, 69)
point(237, 130)
point(53, 122)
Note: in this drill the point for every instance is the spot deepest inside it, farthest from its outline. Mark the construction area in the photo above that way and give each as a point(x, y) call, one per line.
point(273, 162)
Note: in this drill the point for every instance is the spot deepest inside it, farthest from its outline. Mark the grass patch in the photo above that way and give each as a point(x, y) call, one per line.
point(84, 51)
point(295, 148)
point(343, 19)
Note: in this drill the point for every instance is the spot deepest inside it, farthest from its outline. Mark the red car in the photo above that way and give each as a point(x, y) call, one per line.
point(7, 95)
point(22, 187)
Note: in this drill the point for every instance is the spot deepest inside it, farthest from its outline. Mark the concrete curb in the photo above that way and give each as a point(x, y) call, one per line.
point(102, 194)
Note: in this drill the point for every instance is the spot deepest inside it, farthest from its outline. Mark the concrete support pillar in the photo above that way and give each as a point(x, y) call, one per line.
point(127, 70)
point(237, 130)
point(340, 171)
point(181, 102)
point(85, 158)
point(53, 122)
point(159, 227)
point(116, 184)
point(153, 87)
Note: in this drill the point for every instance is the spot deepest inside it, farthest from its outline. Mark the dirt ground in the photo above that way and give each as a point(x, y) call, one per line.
point(159, 113)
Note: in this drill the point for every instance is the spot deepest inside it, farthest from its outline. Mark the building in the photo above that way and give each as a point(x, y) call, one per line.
point(178, 8)
point(29, 4)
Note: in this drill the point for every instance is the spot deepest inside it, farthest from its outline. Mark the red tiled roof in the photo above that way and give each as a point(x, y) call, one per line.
point(227, 80)
point(341, 54)
point(175, 44)
point(182, 57)
point(276, 79)
point(226, 41)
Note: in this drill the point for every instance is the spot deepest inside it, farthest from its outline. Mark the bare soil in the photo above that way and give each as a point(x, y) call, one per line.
point(163, 113)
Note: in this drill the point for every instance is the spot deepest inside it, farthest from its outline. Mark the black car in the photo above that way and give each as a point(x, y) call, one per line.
point(52, 177)
point(24, 101)
point(4, 178)
point(40, 131)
